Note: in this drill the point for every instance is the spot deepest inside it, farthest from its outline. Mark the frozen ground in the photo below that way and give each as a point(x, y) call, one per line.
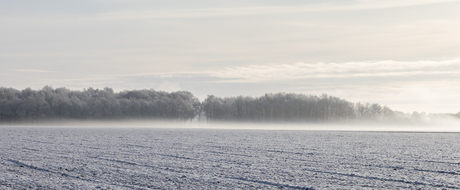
point(63, 158)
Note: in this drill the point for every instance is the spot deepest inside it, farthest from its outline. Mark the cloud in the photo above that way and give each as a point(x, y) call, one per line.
point(400, 3)
point(283, 72)
point(389, 69)
point(353, 72)
point(33, 71)
point(263, 8)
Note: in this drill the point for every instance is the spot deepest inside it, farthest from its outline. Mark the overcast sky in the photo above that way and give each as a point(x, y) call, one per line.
point(400, 53)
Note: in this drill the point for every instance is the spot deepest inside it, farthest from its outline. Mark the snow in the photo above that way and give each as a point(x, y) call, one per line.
point(161, 158)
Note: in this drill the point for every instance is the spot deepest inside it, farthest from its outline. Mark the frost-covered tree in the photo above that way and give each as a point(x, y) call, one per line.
point(291, 107)
point(62, 103)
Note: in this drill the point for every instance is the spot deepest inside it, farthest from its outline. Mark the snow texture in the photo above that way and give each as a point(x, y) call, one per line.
point(64, 158)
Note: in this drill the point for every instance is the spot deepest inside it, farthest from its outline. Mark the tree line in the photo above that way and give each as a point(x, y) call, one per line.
point(292, 107)
point(61, 103)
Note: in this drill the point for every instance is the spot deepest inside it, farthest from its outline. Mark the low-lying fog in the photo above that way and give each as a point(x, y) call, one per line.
point(439, 125)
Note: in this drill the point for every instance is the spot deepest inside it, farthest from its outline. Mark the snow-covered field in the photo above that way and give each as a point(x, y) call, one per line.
point(85, 158)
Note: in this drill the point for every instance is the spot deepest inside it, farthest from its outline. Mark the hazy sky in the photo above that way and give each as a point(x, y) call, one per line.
point(400, 53)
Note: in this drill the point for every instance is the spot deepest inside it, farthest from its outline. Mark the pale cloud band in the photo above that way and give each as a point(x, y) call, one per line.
point(33, 71)
point(296, 71)
point(354, 73)
point(256, 10)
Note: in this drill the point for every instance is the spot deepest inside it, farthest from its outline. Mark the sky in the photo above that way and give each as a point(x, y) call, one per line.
point(400, 53)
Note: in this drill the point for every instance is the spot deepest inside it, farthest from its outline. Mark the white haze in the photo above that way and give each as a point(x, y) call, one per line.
point(446, 124)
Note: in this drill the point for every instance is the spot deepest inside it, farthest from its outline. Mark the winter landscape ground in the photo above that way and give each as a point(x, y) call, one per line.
point(178, 158)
